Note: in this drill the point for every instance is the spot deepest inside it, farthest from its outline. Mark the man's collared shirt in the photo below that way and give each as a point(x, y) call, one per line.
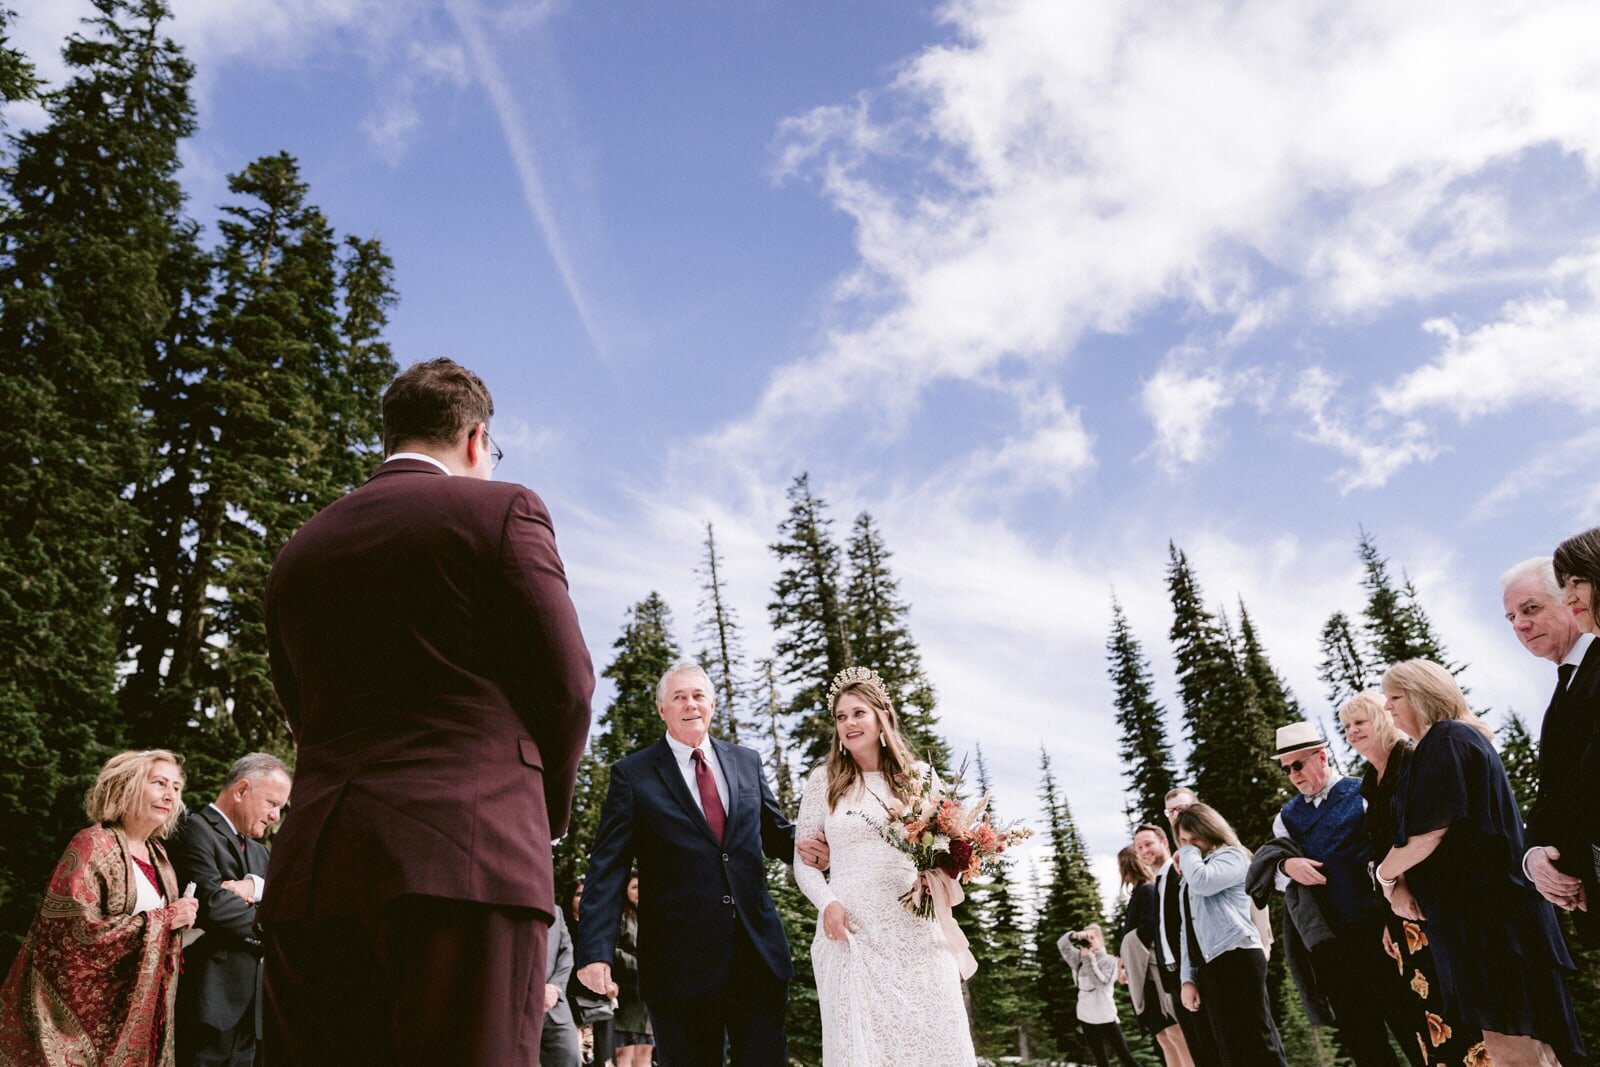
point(684, 755)
point(416, 455)
point(1164, 948)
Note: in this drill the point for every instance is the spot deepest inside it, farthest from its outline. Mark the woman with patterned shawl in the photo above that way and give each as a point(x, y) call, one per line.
point(95, 980)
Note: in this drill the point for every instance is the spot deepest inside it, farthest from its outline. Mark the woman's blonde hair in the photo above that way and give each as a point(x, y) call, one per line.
point(1434, 692)
point(895, 760)
point(1134, 870)
point(1368, 707)
point(1203, 822)
point(116, 788)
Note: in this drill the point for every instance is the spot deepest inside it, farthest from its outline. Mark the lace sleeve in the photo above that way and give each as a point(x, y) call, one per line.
point(813, 808)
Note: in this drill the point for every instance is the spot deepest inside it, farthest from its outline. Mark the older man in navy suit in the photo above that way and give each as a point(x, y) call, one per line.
point(219, 849)
point(696, 818)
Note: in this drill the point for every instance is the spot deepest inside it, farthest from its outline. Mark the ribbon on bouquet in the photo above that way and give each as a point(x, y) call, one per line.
point(945, 893)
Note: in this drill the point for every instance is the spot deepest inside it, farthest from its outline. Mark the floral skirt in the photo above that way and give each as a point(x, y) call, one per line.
point(1443, 1040)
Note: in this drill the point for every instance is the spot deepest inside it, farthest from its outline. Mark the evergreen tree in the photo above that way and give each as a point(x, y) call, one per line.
point(1396, 626)
point(813, 642)
point(93, 207)
point(1071, 902)
point(1520, 754)
point(644, 650)
point(1146, 753)
point(880, 638)
point(778, 768)
point(268, 400)
point(1230, 740)
point(1344, 668)
point(719, 627)
point(1004, 994)
point(18, 80)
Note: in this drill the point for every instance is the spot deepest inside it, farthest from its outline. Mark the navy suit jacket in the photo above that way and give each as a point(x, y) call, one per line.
point(220, 972)
point(693, 892)
point(1569, 755)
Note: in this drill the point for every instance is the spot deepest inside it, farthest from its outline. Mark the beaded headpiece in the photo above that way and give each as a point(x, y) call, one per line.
point(856, 676)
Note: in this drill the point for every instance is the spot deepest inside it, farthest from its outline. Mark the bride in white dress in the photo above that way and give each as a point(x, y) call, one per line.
point(887, 981)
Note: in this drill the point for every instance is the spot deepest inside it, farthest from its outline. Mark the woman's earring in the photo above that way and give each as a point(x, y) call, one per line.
point(883, 742)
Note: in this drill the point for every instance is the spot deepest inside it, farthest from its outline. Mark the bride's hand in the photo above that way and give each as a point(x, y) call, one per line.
point(835, 923)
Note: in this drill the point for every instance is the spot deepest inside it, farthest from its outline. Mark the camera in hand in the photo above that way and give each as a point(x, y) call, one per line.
point(1079, 939)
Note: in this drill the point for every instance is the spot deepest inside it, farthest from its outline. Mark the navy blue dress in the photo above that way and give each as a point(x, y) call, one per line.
point(1498, 950)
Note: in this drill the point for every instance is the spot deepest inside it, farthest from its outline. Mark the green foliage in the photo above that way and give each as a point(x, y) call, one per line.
point(1520, 755)
point(806, 614)
point(1145, 750)
point(880, 638)
point(1229, 734)
point(1396, 626)
point(1071, 902)
point(92, 211)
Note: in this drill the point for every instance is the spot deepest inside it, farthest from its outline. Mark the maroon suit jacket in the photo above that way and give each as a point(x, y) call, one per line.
point(428, 656)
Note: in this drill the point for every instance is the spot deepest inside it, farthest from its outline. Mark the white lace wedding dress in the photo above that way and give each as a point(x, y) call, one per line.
point(891, 994)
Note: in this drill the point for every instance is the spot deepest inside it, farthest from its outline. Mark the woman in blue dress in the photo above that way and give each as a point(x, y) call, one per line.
point(1457, 863)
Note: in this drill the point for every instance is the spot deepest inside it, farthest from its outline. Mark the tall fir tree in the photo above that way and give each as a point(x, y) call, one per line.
point(1145, 750)
point(18, 78)
point(93, 209)
point(1071, 901)
point(1344, 668)
point(1230, 741)
point(719, 628)
point(1396, 626)
point(779, 769)
point(1520, 754)
point(880, 638)
point(643, 651)
point(812, 639)
point(267, 410)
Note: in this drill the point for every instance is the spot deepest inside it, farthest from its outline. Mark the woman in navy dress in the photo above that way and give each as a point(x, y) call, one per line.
point(1457, 863)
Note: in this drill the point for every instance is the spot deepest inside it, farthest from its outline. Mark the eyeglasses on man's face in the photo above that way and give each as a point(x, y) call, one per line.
point(1297, 766)
point(495, 455)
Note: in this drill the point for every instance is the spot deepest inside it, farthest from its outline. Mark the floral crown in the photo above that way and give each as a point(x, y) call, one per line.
point(856, 676)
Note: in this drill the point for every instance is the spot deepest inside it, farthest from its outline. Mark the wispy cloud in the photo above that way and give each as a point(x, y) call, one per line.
point(525, 158)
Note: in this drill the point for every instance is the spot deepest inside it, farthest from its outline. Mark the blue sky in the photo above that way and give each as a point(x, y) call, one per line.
point(1040, 285)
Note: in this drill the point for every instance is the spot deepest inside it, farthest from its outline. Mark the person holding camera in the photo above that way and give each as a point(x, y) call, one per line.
point(1095, 972)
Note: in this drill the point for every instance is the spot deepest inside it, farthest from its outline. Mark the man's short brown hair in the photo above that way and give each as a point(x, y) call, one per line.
point(433, 403)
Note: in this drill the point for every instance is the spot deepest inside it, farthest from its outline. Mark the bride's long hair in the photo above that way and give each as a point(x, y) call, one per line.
point(895, 760)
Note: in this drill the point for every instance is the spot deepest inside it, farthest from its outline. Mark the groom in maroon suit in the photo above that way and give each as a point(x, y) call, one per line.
point(428, 657)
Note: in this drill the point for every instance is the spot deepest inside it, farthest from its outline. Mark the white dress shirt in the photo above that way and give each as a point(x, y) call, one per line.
point(684, 754)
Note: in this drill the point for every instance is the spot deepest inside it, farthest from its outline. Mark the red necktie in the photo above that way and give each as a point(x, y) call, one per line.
point(716, 818)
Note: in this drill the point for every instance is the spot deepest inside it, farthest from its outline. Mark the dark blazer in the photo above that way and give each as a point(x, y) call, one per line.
point(221, 973)
point(1561, 816)
point(692, 891)
point(429, 660)
point(1172, 917)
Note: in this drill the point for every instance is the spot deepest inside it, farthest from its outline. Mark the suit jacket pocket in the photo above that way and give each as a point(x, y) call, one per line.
point(529, 751)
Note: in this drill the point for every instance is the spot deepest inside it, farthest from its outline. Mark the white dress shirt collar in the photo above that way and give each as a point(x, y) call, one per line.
point(1579, 648)
point(416, 455)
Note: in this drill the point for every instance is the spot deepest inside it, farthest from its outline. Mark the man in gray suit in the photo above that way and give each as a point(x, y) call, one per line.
point(558, 1044)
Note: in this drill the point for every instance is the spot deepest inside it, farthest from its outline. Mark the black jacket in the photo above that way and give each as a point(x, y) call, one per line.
point(221, 969)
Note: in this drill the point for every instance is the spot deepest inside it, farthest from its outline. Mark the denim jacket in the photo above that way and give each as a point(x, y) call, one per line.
point(1214, 885)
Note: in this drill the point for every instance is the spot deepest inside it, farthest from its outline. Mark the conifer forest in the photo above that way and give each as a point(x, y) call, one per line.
point(180, 394)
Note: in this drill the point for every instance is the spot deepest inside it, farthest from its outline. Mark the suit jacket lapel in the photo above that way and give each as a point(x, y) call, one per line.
point(731, 771)
point(230, 841)
point(667, 768)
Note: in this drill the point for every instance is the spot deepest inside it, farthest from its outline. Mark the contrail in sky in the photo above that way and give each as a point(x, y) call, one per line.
point(523, 157)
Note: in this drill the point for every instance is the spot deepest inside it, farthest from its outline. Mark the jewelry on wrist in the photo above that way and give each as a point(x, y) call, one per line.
point(1387, 883)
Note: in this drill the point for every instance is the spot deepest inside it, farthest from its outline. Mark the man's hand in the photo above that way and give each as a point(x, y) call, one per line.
point(597, 977)
point(1305, 871)
point(814, 850)
point(552, 993)
point(243, 888)
point(1191, 996)
point(1562, 890)
point(836, 922)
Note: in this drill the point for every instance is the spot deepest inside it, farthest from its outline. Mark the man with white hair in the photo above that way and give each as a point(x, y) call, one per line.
point(1557, 860)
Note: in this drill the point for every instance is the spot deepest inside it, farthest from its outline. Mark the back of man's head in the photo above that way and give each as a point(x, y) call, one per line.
point(433, 403)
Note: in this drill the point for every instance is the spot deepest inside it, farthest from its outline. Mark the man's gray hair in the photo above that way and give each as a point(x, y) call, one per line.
point(1540, 567)
point(254, 766)
point(682, 668)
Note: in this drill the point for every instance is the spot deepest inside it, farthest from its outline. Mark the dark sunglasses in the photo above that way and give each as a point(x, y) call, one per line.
point(1294, 768)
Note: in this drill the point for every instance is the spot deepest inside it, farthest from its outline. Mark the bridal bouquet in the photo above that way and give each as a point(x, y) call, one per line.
point(945, 839)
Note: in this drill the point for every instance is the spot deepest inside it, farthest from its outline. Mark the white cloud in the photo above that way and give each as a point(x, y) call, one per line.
point(1377, 447)
point(1185, 401)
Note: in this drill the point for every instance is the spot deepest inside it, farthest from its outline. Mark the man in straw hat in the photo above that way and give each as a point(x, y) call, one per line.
point(1351, 969)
